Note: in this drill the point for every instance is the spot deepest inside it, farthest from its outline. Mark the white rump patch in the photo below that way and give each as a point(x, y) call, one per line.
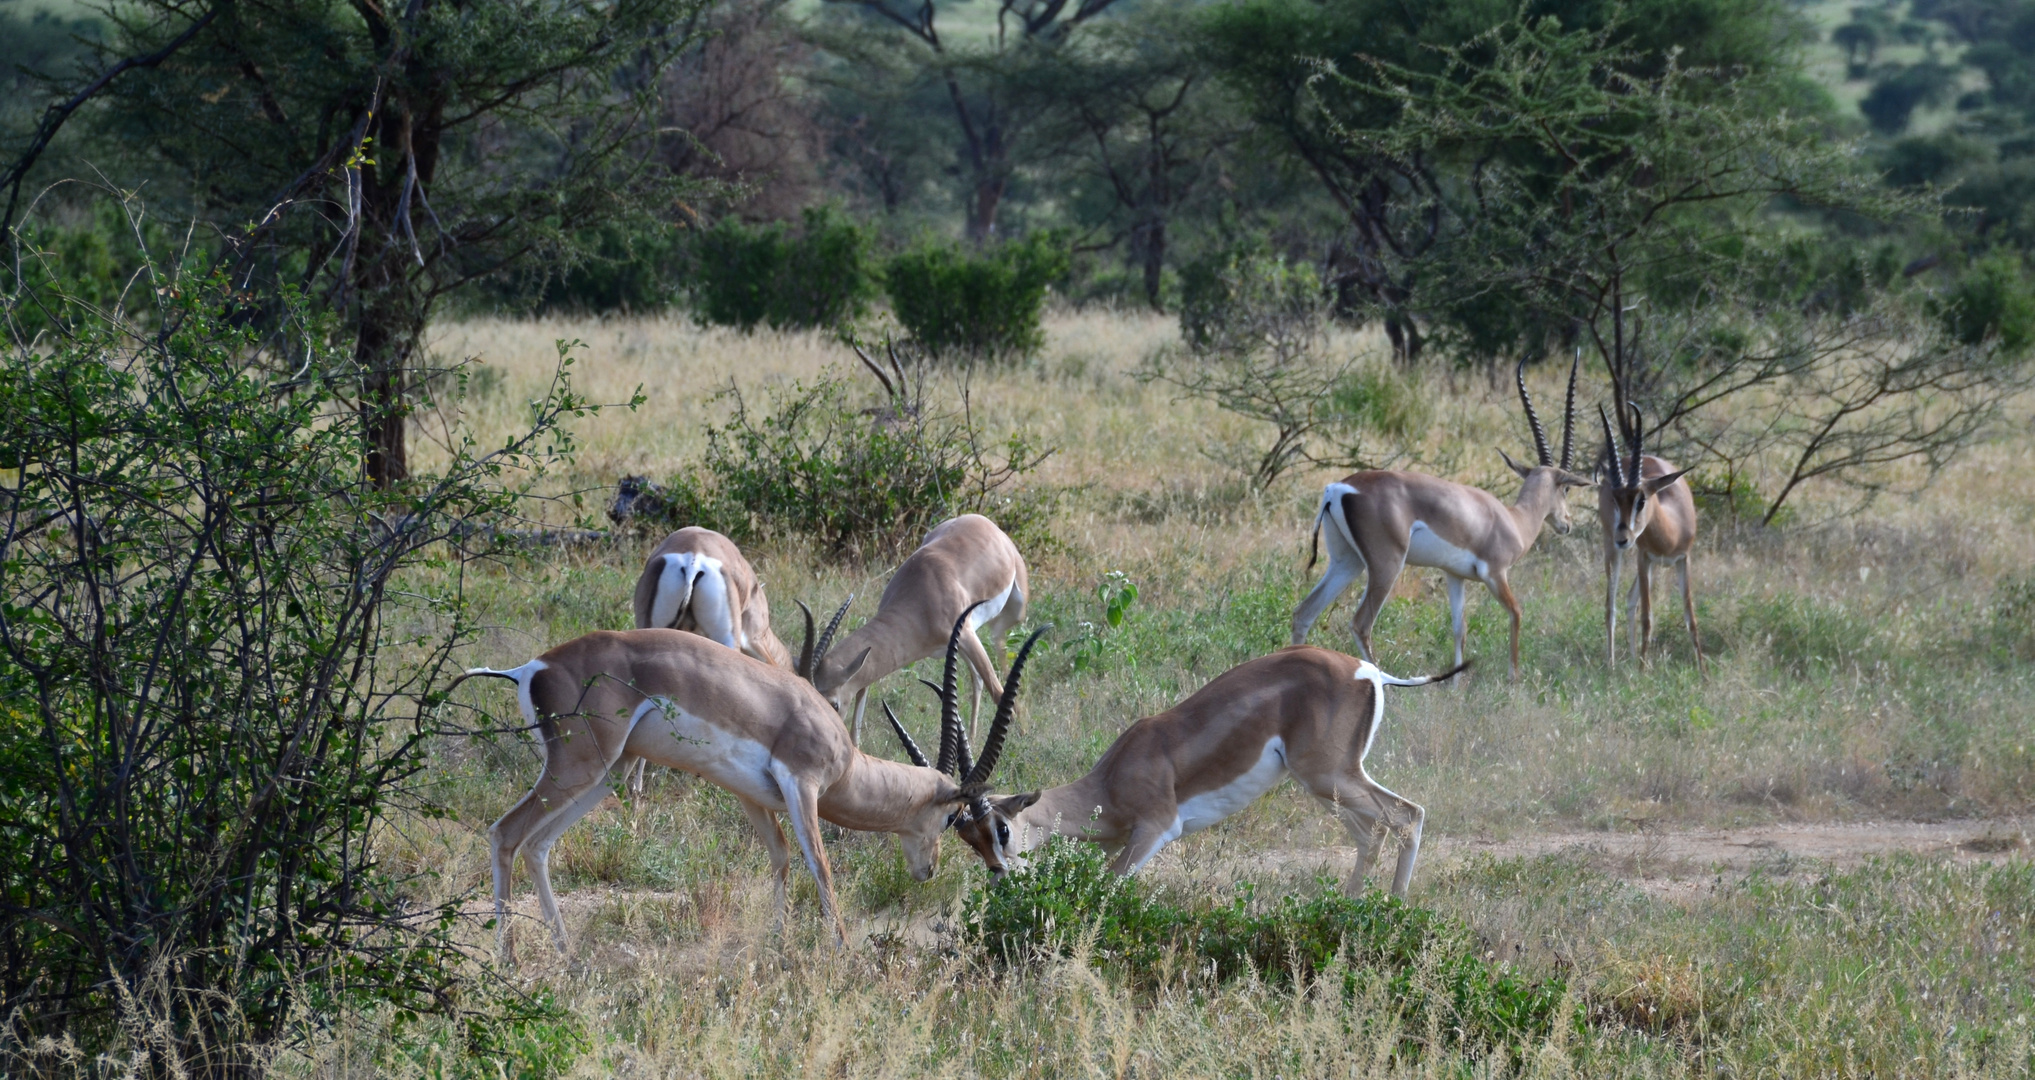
point(1424, 548)
point(695, 583)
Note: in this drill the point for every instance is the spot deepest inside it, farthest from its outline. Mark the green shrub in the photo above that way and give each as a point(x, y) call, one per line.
point(820, 276)
point(859, 482)
point(1066, 897)
point(629, 270)
point(957, 302)
point(1379, 400)
point(1231, 292)
point(1993, 301)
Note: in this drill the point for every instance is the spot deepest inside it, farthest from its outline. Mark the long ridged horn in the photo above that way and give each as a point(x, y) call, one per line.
point(953, 737)
point(1569, 414)
point(1540, 449)
point(992, 747)
point(805, 654)
point(1611, 447)
point(1638, 441)
point(911, 749)
point(827, 635)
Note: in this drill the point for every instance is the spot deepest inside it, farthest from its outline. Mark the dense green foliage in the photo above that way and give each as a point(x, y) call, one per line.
point(1066, 900)
point(860, 482)
point(823, 275)
point(957, 302)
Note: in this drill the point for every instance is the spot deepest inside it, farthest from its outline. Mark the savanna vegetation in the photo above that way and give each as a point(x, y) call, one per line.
point(331, 329)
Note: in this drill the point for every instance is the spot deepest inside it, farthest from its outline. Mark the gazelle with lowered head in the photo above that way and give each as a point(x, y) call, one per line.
point(682, 701)
point(697, 580)
point(966, 565)
point(1379, 522)
point(1302, 711)
point(1644, 504)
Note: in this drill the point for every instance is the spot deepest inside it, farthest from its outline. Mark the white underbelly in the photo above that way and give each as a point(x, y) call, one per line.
point(1209, 807)
point(669, 736)
point(1424, 548)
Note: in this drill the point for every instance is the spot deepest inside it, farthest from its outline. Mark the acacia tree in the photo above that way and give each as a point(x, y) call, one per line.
point(1637, 201)
point(1133, 103)
point(977, 79)
point(382, 156)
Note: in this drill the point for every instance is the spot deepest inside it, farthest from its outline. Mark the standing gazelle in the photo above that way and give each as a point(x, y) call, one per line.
point(966, 565)
point(1383, 521)
point(681, 701)
point(1643, 502)
point(1302, 711)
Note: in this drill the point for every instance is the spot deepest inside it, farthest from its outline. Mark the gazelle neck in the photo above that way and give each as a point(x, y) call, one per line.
point(1538, 495)
point(1068, 810)
point(885, 652)
point(879, 795)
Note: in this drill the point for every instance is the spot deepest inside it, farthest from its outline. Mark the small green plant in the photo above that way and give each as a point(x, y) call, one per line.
point(956, 302)
point(1378, 400)
point(821, 276)
point(1993, 301)
point(1066, 898)
point(1116, 593)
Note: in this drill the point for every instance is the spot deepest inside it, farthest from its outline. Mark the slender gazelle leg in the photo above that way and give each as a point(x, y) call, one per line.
point(1458, 625)
point(1344, 564)
point(1611, 568)
point(1689, 615)
point(765, 823)
point(1377, 589)
point(1645, 569)
point(1500, 584)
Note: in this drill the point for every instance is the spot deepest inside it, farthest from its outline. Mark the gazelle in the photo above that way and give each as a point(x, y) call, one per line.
point(966, 564)
point(1383, 521)
point(1643, 502)
point(682, 701)
point(697, 580)
point(1301, 711)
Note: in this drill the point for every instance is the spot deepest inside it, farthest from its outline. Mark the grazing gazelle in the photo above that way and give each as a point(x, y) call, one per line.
point(966, 564)
point(697, 580)
point(681, 701)
point(1384, 521)
point(1302, 711)
point(1643, 502)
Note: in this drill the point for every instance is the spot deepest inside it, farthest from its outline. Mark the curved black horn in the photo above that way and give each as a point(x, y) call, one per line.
point(805, 655)
point(827, 635)
point(1532, 418)
point(1638, 440)
point(992, 747)
point(1611, 447)
point(952, 735)
point(911, 749)
point(1569, 414)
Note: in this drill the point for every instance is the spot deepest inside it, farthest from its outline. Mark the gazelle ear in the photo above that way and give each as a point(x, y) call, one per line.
point(1655, 484)
point(854, 666)
point(1013, 805)
point(1516, 467)
point(1569, 479)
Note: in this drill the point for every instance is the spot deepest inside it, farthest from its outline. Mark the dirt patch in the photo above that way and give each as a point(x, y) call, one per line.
point(1685, 863)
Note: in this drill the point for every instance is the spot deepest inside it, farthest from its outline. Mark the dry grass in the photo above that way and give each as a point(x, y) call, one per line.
point(1858, 674)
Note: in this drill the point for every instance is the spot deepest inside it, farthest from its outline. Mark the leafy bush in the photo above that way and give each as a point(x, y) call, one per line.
point(204, 732)
point(821, 276)
point(1066, 897)
point(956, 302)
point(1993, 301)
point(860, 482)
point(1239, 287)
point(1382, 401)
point(633, 270)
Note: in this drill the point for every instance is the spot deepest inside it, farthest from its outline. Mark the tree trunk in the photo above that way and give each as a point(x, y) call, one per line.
point(982, 211)
point(1148, 248)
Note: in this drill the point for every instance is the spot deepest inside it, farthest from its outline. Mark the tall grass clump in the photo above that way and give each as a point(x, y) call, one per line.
point(1067, 900)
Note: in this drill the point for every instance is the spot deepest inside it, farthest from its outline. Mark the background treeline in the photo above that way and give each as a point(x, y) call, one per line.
point(1153, 140)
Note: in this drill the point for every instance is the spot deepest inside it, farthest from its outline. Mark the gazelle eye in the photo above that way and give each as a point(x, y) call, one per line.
point(1002, 833)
